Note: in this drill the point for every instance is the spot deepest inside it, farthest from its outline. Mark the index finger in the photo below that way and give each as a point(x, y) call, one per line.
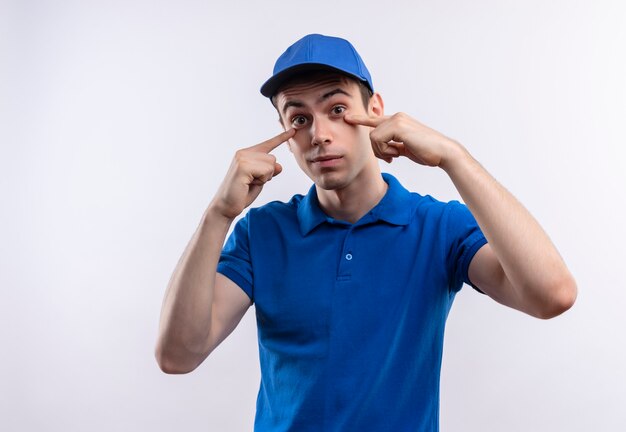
point(364, 119)
point(272, 143)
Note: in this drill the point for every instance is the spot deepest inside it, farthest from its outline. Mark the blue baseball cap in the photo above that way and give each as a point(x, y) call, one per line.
point(317, 52)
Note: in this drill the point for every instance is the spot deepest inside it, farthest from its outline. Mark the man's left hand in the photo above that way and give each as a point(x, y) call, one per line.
point(401, 135)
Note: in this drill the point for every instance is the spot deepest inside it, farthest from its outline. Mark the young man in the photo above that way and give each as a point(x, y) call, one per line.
point(353, 282)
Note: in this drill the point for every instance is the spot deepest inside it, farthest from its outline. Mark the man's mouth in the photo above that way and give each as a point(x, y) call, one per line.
point(326, 160)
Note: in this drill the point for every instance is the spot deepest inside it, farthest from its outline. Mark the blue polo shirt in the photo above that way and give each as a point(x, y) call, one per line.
point(351, 316)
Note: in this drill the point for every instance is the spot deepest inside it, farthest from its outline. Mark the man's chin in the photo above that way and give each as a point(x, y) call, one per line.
point(331, 181)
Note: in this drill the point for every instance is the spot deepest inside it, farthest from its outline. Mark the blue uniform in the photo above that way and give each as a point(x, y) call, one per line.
point(351, 317)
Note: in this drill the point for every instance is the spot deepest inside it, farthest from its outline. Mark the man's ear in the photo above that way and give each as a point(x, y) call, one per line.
point(376, 106)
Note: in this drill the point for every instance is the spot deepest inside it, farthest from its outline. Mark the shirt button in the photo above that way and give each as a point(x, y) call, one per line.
point(348, 257)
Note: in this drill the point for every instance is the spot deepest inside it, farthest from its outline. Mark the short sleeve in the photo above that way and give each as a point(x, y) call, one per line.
point(463, 239)
point(235, 262)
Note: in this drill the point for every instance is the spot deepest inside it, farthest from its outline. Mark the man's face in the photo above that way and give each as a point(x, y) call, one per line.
point(330, 151)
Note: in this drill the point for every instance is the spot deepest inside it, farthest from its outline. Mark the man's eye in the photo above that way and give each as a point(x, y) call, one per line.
point(298, 120)
point(339, 109)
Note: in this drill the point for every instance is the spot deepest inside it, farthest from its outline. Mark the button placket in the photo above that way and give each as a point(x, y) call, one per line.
point(346, 257)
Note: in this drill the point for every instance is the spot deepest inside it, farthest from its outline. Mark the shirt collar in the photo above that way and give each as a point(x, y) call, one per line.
point(393, 208)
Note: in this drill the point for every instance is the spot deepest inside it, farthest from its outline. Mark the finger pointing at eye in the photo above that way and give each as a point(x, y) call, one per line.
point(364, 120)
point(272, 143)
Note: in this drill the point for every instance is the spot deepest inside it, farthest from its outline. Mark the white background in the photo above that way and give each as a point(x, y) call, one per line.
point(118, 120)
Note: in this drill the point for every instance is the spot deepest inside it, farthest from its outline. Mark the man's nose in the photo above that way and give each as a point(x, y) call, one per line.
point(321, 131)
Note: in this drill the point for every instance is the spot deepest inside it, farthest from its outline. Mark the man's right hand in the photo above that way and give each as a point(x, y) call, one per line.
point(250, 169)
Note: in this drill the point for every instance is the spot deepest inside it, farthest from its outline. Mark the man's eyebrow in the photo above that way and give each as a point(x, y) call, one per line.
point(299, 104)
point(293, 103)
point(333, 93)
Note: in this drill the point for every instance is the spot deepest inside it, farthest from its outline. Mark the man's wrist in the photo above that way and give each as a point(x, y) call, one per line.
point(214, 215)
point(455, 156)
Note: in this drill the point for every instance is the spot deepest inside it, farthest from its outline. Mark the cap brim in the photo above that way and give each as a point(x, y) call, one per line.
point(272, 85)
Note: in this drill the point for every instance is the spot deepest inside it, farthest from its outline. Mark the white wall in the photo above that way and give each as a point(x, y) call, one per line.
point(118, 120)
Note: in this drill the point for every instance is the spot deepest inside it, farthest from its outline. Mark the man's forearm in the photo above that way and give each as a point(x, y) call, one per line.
point(520, 267)
point(186, 314)
point(528, 257)
point(188, 330)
